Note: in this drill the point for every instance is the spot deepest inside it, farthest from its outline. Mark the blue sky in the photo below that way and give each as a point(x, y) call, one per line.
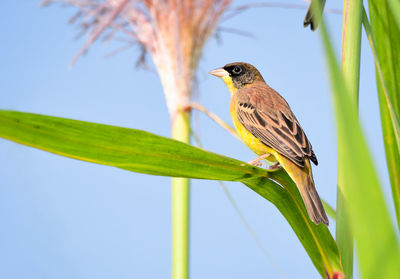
point(63, 218)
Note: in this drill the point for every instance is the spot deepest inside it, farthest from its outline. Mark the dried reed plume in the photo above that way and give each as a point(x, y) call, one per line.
point(173, 32)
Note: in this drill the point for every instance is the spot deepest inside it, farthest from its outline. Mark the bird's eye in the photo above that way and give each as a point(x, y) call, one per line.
point(236, 70)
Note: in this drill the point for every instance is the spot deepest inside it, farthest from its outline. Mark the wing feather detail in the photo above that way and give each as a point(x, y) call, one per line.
point(274, 125)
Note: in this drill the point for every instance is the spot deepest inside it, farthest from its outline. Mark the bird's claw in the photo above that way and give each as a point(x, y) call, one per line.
point(258, 164)
point(274, 167)
point(257, 161)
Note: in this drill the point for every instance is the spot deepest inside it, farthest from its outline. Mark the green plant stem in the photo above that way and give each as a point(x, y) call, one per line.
point(351, 47)
point(344, 237)
point(385, 46)
point(180, 205)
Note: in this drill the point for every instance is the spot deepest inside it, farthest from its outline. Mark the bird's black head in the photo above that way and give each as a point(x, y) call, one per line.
point(242, 74)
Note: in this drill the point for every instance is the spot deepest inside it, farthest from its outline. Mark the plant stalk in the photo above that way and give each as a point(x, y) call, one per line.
point(180, 193)
point(351, 48)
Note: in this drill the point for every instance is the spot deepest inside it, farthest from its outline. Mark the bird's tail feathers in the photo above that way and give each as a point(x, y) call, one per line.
point(305, 183)
point(312, 201)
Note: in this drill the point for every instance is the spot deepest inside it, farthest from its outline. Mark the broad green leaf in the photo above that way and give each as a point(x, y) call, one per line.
point(386, 38)
point(376, 242)
point(128, 149)
point(143, 152)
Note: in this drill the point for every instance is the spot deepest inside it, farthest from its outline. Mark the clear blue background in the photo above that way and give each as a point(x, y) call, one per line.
point(62, 218)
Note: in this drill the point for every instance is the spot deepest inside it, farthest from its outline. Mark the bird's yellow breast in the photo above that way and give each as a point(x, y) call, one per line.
point(251, 141)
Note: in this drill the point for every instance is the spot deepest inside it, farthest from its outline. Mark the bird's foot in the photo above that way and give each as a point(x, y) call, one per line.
point(275, 167)
point(256, 162)
point(259, 164)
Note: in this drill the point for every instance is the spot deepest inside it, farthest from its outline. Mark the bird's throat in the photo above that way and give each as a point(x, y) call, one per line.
point(228, 82)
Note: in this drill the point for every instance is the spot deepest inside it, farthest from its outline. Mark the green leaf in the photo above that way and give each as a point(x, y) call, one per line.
point(329, 210)
point(351, 49)
point(321, 247)
point(143, 152)
point(127, 149)
point(395, 7)
point(376, 242)
point(385, 39)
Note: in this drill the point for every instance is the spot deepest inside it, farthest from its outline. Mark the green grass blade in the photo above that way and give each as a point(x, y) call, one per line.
point(385, 44)
point(139, 151)
point(351, 49)
point(376, 242)
point(351, 46)
point(388, 103)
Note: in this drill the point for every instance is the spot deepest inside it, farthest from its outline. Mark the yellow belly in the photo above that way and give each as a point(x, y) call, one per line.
point(251, 141)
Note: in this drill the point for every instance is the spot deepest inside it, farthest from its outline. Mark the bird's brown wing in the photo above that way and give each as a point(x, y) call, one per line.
point(267, 116)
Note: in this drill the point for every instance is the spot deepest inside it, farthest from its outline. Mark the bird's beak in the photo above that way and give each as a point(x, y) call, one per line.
point(220, 72)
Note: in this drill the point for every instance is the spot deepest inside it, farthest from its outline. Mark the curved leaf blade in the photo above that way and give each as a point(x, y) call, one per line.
point(321, 247)
point(128, 149)
point(143, 152)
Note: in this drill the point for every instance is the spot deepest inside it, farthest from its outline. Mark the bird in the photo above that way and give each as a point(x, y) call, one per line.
point(310, 18)
point(267, 125)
